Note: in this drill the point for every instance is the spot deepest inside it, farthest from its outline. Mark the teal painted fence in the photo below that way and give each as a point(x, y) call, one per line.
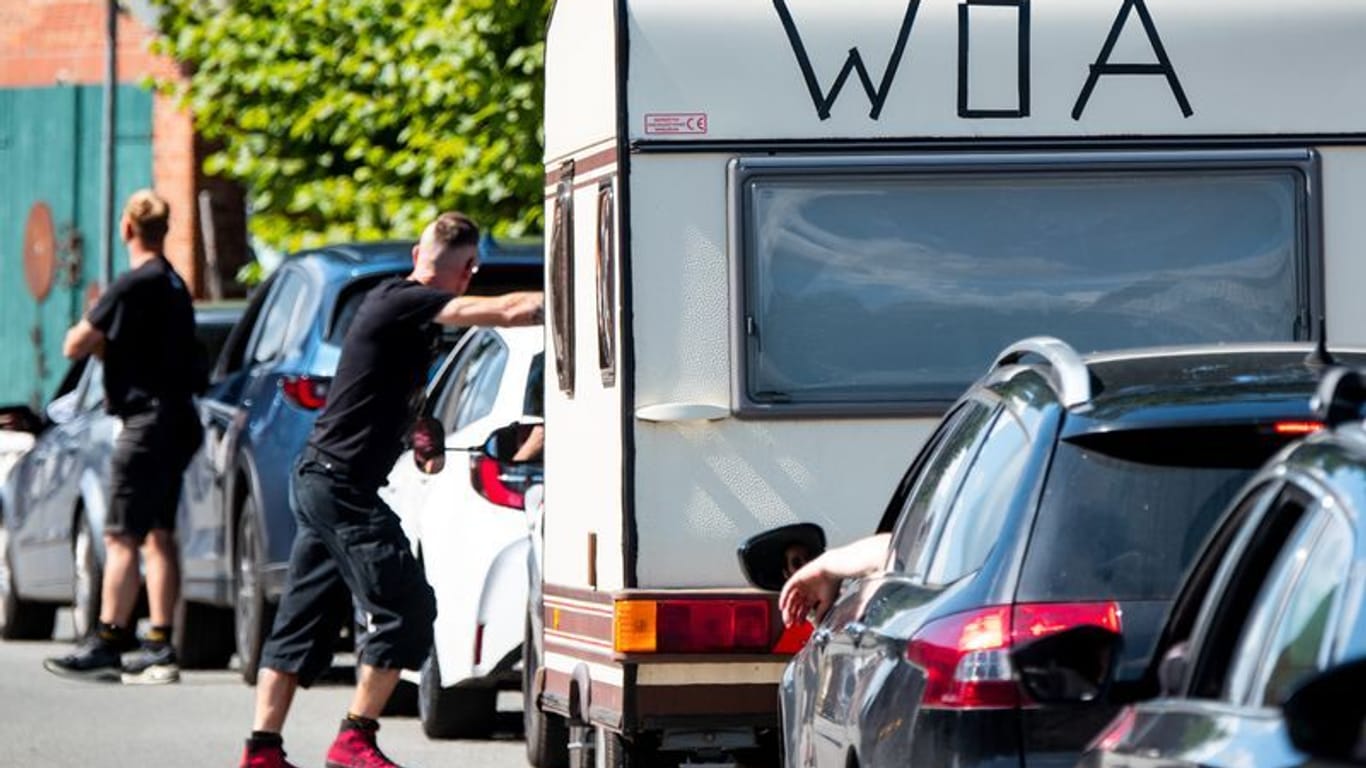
point(50, 152)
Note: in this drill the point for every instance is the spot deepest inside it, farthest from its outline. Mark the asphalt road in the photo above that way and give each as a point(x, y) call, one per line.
point(49, 722)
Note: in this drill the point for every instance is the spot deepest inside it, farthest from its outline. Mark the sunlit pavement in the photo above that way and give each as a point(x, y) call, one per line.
point(49, 722)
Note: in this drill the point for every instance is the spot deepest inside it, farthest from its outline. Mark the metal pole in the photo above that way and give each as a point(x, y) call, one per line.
point(110, 92)
point(210, 235)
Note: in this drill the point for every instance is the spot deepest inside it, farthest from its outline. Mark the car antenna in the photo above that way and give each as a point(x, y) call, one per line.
point(1321, 357)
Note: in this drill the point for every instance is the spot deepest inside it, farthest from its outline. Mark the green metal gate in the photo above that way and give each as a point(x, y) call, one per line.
point(50, 153)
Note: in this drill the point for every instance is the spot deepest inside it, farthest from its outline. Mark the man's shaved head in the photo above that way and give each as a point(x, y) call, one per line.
point(447, 255)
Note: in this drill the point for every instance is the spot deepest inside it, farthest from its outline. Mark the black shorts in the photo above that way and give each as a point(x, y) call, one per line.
point(148, 467)
point(348, 541)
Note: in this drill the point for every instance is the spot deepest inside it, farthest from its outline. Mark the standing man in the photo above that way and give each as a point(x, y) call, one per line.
point(143, 329)
point(347, 538)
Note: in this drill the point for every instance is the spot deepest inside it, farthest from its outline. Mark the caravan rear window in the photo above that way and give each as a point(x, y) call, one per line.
point(889, 284)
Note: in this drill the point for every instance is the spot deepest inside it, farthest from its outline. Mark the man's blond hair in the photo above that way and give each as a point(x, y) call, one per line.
point(150, 215)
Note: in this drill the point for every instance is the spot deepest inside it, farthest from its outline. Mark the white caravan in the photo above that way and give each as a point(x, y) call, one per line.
point(784, 234)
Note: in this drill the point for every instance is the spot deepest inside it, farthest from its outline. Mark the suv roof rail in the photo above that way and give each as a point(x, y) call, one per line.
point(1340, 396)
point(1074, 380)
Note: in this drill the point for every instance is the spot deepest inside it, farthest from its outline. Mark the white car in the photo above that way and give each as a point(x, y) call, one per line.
point(467, 526)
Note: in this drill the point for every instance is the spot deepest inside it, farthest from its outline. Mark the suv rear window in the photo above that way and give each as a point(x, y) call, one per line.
point(1124, 513)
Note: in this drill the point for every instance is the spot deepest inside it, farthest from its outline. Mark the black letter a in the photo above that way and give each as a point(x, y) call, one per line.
point(877, 95)
point(1104, 67)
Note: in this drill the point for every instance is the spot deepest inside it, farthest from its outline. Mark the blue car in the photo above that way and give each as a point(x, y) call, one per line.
point(268, 386)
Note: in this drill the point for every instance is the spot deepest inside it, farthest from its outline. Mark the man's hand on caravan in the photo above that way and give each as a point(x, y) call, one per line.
point(812, 589)
point(521, 308)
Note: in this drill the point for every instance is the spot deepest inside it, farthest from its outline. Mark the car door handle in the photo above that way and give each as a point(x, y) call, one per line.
point(855, 630)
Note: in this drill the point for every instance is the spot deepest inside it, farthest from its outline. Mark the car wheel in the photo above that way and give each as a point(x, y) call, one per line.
point(20, 619)
point(87, 578)
point(254, 614)
point(203, 637)
point(461, 712)
point(547, 735)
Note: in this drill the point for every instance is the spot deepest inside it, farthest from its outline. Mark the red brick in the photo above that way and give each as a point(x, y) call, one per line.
point(44, 42)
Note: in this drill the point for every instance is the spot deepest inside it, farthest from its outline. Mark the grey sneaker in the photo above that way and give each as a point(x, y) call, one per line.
point(151, 665)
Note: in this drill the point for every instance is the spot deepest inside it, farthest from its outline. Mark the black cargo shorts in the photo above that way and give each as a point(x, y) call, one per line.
point(347, 540)
point(147, 469)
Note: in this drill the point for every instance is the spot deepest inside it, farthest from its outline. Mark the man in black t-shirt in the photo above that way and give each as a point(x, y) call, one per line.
point(143, 329)
point(348, 540)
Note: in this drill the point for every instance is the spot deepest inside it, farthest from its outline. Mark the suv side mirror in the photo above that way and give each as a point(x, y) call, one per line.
point(1326, 715)
point(1074, 666)
point(428, 439)
point(768, 558)
point(21, 418)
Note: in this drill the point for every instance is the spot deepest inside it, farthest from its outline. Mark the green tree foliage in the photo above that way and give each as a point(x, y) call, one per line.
point(360, 119)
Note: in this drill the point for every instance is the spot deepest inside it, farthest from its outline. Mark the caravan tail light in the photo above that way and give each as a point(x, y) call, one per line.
point(691, 626)
point(307, 392)
point(966, 657)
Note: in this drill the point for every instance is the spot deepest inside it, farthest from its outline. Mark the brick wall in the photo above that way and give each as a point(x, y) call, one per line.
point(50, 42)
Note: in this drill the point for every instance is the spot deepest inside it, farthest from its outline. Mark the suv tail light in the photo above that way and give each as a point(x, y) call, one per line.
point(307, 392)
point(491, 483)
point(966, 657)
point(691, 626)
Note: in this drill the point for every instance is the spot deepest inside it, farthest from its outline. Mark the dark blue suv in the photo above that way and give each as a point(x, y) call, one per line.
point(269, 384)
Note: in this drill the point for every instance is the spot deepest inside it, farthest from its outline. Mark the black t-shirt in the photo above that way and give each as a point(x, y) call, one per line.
point(380, 378)
point(150, 352)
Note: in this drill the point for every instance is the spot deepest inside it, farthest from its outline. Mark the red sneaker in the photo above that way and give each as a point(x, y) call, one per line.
point(355, 747)
point(265, 757)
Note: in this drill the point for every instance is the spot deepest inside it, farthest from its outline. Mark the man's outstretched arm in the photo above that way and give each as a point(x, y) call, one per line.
point(522, 308)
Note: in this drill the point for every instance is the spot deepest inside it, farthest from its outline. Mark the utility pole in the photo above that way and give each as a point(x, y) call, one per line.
point(110, 112)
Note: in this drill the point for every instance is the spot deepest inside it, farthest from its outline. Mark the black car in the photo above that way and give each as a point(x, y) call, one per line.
point(1274, 599)
point(1059, 492)
point(269, 384)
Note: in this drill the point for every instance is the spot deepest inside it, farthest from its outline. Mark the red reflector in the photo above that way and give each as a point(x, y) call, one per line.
point(794, 638)
point(489, 484)
point(478, 643)
point(305, 391)
point(1298, 427)
point(712, 626)
point(966, 657)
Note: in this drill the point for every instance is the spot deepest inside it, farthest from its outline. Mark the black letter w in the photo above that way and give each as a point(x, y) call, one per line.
point(877, 95)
